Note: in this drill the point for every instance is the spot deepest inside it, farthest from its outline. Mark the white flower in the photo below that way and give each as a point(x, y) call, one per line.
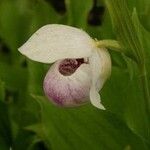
point(80, 67)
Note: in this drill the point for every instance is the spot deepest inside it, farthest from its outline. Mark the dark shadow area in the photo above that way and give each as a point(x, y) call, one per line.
point(59, 5)
point(95, 17)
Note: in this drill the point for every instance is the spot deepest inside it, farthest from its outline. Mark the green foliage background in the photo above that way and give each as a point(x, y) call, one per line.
point(28, 121)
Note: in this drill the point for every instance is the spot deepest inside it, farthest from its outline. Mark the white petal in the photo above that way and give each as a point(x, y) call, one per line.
point(54, 42)
point(95, 98)
point(101, 67)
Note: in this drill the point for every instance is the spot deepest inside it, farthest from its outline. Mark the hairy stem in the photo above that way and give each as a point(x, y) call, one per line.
point(111, 44)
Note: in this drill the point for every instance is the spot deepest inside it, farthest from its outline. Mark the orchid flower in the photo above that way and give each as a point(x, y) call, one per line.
point(80, 68)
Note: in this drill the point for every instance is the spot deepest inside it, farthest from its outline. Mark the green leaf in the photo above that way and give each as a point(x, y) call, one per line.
point(144, 35)
point(28, 141)
point(125, 29)
point(2, 91)
point(143, 9)
point(82, 128)
point(42, 13)
point(5, 139)
point(14, 22)
point(14, 77)
point(5, 131)
point(123, 95)
point(132, 102)
point(36, 77)
point(77, 12)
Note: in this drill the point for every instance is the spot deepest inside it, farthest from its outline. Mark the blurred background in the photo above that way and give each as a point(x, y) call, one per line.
point(29, 122)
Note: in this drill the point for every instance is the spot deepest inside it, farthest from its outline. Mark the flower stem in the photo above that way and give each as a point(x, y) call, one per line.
point(111, 44)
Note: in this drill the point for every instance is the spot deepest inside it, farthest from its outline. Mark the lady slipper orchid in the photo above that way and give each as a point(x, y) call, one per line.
point(80, 67)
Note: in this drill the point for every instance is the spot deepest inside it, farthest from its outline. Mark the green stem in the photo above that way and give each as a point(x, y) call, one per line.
point(111, 44)
point(146, 91)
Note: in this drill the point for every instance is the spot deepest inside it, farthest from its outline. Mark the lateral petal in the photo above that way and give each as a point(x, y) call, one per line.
point(100, 63)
